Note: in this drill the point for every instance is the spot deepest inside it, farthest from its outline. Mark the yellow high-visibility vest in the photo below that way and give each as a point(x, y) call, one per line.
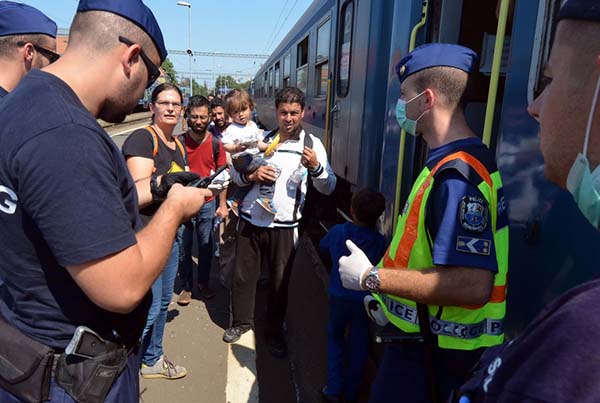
point(457, 327)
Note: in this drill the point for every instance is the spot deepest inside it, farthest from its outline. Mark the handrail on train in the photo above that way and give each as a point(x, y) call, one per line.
point(327, 103)
point(411, 46)
point(495, 77)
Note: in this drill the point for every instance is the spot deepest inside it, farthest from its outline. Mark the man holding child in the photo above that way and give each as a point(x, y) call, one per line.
point(262, 234)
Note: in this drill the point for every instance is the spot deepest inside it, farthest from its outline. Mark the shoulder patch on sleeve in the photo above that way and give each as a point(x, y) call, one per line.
point(473, 213)
point(477, 246)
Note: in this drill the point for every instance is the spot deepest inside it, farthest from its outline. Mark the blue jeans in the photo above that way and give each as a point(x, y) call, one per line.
point(202, 225)
point(247, 164)
point(125, 389)
point(162, 291)
point(346, 358)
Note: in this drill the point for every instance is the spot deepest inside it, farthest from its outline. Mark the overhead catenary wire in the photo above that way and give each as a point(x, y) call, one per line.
point(282, 25)
point(272, 34)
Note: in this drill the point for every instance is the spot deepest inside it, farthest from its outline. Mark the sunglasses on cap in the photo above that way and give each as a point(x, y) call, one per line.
point(50, 54)
point(153, 71)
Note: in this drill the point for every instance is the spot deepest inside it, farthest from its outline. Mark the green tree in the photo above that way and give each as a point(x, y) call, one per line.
point(169, 70)
point(230, 83)
point(199, 89)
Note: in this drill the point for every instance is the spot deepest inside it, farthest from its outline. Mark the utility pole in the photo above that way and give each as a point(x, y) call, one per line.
point(189, 50)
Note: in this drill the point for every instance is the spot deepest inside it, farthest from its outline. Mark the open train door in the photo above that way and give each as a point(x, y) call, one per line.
point(345, 125)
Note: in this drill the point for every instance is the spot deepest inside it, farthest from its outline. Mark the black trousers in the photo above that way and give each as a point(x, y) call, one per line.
point(255, 245)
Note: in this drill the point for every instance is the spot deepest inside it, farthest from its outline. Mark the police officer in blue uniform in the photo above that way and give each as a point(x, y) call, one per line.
point(27, 40)
point(445, 253)
point(555, 358)
point(76, 266)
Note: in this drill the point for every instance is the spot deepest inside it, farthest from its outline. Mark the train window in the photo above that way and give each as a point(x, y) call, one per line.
point(345, 48)
point(270, 82)
point(287, 66)
point(302, 65)
point(545, 28)
point(287, 63)
point(302, 56)
point(322, 59)
point(277, 74)
point(322, 71)
point(323, 34)
point(302, 78)
point(266, 84)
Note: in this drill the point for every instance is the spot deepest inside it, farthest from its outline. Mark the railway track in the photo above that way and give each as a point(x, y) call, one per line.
point(130, 123)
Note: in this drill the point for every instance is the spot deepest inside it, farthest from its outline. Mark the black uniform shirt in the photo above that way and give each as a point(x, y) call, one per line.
point(66, 198)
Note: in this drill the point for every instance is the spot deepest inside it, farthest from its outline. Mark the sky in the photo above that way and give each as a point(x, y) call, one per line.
point(227, 26)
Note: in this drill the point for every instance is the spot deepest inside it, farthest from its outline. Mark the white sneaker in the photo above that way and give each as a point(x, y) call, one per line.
point(163, 368)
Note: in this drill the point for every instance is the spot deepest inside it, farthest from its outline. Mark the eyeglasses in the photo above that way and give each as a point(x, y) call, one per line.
point(153, 71)
point(50, 54)
point(164, 104)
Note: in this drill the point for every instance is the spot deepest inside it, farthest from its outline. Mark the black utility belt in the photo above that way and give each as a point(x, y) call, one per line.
point(86, 370)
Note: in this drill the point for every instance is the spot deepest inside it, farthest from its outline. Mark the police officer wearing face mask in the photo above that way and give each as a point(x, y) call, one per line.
point(571, 161)
point(555, 358)
point(447, 262)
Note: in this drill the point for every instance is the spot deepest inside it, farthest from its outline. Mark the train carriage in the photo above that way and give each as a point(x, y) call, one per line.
point(343, 54)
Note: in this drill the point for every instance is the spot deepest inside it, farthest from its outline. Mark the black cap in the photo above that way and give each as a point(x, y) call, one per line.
point(585, 10)
point(135, 11)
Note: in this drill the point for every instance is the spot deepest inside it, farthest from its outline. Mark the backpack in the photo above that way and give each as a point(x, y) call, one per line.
point(154, 136)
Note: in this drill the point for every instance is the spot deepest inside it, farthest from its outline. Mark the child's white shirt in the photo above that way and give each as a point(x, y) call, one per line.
point(236, 133)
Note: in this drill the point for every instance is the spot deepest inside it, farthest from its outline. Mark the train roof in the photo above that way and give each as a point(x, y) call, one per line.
point(312, 15)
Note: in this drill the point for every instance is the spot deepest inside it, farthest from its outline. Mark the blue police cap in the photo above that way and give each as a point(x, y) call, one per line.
point(21, 19)
point(436, 55)
point(587, 10)
point(136, 12)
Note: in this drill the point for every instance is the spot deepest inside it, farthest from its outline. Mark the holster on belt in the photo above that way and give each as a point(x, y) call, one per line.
point(88, 380)
point(25, 365)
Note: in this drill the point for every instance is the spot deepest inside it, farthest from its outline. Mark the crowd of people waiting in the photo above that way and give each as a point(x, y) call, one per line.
point(75, 326)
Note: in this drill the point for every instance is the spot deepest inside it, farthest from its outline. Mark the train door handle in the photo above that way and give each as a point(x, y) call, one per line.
point(334, 114)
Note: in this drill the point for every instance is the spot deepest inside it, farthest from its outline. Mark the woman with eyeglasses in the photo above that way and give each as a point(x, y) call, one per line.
point(153, 154)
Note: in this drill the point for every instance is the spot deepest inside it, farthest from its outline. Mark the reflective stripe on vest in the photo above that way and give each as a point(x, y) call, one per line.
point(407, 313)
point(410, 249)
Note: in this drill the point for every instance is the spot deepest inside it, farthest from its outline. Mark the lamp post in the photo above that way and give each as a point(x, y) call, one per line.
point(189, 51)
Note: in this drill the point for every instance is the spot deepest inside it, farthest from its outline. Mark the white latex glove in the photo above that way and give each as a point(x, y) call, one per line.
point(221, 181)
point(354, 267)
point(374, 311)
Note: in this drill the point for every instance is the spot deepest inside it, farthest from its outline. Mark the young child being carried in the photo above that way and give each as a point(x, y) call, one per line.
point(346, 356)
point(243, 140)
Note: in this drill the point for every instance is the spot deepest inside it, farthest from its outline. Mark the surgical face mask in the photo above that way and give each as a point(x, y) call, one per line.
point(409, 125)
point(584, 184)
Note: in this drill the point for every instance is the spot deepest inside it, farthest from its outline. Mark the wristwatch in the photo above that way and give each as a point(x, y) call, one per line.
point(371, 281)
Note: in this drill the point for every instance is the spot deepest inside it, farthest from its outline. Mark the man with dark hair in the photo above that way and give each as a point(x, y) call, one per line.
point(293, 155)
point(220, 119)
point(555, 358)
point(290, 95)
point(205, 155)
point(27, 41)
point(444, 274)
point(77, 268)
